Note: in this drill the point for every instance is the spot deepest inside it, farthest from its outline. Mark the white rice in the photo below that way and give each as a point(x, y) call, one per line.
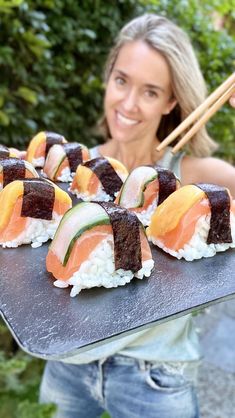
point(145, 215)
point(197, 247)
point(38, 162)
point(66, 175)
point(36, 232)
point(100, 196)
point(99, 270)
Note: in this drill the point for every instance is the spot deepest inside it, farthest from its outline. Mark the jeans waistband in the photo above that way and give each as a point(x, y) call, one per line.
point(189, 369)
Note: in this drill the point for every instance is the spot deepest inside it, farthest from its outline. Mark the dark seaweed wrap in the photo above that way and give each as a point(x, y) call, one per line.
point(108, 177)
point(219, 200)
point(4, 151)
point(52, 138)
point(167, 183)
point(126, 235)
point(13, 169)
point(38, 199)
point(74, 154)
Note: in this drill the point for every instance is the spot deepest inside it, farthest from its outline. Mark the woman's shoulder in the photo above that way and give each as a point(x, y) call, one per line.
point(208, 170)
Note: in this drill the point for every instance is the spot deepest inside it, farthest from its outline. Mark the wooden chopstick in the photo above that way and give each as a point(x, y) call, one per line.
point(210, 112)
point(219, 92)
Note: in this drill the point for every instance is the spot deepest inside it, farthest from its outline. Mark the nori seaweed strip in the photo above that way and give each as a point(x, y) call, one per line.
point(38, 199)
point(52, 138)
point(13, 169)
point(4, 151)
point(108, 177)
point(126, 235)
point(74, 155)
point(167, 183)
point(219, 200)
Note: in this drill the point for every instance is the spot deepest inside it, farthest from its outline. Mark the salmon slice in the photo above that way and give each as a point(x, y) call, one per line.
point(81, 250)
point(84, 183)
point(150, 194)
point(40, 150)
point(183, 232)
point(63, 165)
point(17, 223)
point(83, 247)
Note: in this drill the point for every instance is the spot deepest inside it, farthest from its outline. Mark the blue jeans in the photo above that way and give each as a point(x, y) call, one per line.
point(125, 387)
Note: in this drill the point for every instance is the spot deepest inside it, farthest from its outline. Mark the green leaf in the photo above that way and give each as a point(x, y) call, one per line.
point(27, 94)
point(4, 118)
point(7, 5)
point(27, 409)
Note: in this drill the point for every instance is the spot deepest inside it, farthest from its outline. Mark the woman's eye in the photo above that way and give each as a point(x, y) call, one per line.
point(120, 81)
point(151, 93)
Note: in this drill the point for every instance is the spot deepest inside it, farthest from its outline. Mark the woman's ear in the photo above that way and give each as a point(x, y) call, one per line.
point(170, 106)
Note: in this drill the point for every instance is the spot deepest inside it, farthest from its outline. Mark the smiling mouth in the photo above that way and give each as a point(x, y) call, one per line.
point(126, 121)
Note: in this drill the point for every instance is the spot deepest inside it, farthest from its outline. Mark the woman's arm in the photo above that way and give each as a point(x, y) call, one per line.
point(208, 170)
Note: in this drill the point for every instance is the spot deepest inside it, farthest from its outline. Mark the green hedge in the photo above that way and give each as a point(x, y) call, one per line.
point(52, 54)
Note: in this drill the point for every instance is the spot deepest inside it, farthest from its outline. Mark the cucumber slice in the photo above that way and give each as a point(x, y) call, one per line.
point(132, 195)
point(59, 164)
point(54, 159)
point(76, 220)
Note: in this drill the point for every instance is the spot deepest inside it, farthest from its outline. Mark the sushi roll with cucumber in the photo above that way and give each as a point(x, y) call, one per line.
point(99, 179)
point(15, 169)
point(195, 221)
point(39, 146)
point(62, 161)
point(145, 188)
point(98, 244)
point(30, 211)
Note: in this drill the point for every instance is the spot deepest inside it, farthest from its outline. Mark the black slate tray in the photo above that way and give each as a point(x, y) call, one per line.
point(46, 322)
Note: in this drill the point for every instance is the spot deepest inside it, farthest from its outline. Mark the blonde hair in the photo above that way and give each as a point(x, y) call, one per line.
point(188, 84)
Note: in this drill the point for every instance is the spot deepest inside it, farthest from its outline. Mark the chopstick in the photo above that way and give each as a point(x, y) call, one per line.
point(215, 100)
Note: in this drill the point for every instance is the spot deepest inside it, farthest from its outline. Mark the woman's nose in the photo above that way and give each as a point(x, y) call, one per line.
point(130, 101)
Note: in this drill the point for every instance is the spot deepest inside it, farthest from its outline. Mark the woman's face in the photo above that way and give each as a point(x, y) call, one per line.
point(138, 93)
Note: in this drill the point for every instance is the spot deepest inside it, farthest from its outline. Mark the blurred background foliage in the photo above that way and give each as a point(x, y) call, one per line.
point(52, 54)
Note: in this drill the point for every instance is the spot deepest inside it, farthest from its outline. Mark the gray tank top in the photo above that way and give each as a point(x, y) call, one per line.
point(174, 342)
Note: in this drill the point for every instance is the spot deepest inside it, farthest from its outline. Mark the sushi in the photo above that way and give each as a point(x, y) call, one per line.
point(30, 211)
point(62, 161)
point(195, 221)
point(98, 179)
point(98, 244)
point(145, 188)
point(6, 152)
point(15, 169)
point(39, 146)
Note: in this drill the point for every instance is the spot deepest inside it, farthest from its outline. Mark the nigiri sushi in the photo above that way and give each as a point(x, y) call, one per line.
point(98, 179)
point(6, 152)
point(30, 211)
point(15, 169)
point(62, 161)
point(39, 146)
point(145, 188)
point(195, 221)
point(98, 244)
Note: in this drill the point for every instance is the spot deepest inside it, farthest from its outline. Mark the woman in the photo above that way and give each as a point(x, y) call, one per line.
point(153, 82)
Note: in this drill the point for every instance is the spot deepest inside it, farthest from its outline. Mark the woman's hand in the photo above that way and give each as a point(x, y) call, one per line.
point(232, 100)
